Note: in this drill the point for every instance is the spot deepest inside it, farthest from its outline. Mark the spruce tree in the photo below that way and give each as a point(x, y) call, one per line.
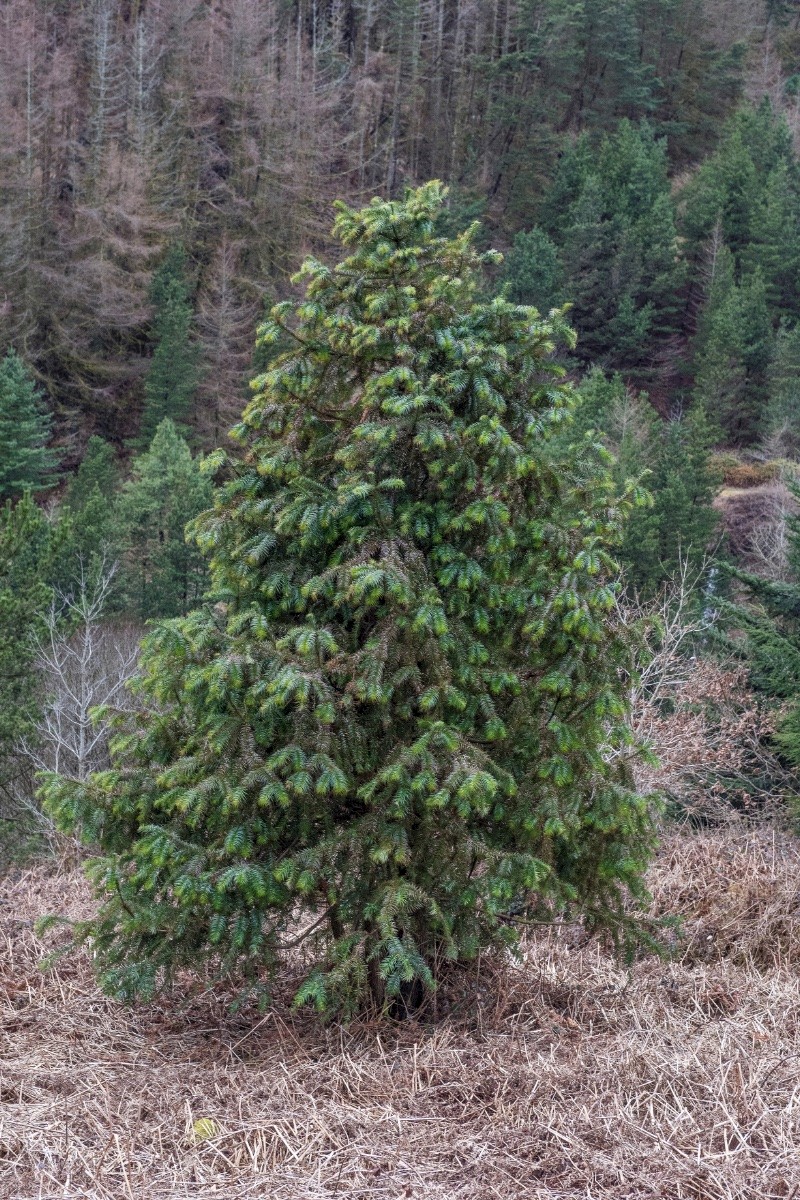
point(401, 727)
point(768, 639)
point(733, 351)
point(98, 472)
point(174, 369)
point(26, 463)
point(163, 574)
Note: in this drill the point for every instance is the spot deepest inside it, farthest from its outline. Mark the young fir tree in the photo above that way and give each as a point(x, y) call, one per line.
point(770, 623)
point(26, 463)
point(748, 192)
point(163, 574)
point(174, 373)
point(401, 728)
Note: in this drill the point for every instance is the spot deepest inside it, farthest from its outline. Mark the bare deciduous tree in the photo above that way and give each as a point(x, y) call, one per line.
point(85, 665)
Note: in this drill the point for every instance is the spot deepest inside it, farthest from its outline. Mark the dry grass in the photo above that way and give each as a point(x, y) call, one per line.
point(570, 1077)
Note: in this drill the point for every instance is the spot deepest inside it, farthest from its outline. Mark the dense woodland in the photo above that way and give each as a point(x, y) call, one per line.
point(166, 167)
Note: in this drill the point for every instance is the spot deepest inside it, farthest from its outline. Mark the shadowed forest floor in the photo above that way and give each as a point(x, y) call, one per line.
point(570, 1076)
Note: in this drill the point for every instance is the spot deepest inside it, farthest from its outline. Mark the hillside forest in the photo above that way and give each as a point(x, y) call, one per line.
point(399, 598)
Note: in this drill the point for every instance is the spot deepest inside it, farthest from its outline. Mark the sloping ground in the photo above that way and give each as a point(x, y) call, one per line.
point(570, 1078)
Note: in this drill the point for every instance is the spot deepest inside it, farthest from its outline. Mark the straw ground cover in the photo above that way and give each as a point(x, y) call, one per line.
point(569, 1077)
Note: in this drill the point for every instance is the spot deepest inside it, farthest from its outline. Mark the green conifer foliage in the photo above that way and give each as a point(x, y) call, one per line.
point(533, 271)
point(402, 725)
point(174, 369)
point(770, 623)
point(91, 500)
point(164, 575)
point(29, 558)
point(612, 216)
point(783, 404)
point(734, 348)
point(26, 463)
point(748, 190)
point(672, 459)
point(98, 471)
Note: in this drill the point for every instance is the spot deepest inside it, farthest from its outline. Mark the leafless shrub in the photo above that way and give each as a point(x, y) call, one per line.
point(84, 664)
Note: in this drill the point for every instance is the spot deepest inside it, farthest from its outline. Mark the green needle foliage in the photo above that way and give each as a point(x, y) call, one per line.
point(26, 463)
point(174, 369)
point(401, 729)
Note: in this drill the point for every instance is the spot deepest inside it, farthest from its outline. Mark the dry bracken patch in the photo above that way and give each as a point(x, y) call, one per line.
point(567, 1076)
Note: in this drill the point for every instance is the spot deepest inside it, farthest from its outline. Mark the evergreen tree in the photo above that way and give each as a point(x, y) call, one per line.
point(733, 350)
point(770, 625)
point(31, 561)
point(90, 499)
point(533, 271)
point(671, 458)
point(163, 574)
point(26, 463)
point(783, 404)
point(775, 249)
point(174, 371)
point(618, 243)
point(402, 725)
point(748, 189)
point(98, 472)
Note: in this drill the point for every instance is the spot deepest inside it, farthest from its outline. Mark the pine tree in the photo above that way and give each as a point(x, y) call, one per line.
point(26, 463)
point(174, 372)
point(775, 249)
point(768, 639)
point(163, 574)
point(748, 189)
point(401, 728)
point(98, 471)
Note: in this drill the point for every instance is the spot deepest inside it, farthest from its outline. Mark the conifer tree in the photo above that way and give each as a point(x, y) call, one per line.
point(26, 463)
point(770, 623)
point(30, 561)
point(533, 271)
point(164, 575)
point(174, 371)
point(734, 348)
point(672, 459)
point(618, 246)
point(90, 499)
point(783, 403)
point(401, 727)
